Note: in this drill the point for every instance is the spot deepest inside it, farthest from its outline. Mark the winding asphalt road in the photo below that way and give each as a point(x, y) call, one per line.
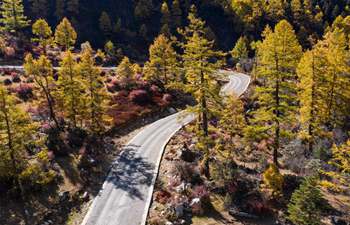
point(126, 194)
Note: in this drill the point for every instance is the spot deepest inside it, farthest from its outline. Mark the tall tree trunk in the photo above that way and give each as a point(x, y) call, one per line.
point(204, 115)
point(277, 111)
point(312, 112)
point(17, 181)
point(331, 99)
point(204, 108)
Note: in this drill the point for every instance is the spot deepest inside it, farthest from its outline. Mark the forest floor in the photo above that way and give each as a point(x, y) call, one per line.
point(174, 194)
point(69, 201)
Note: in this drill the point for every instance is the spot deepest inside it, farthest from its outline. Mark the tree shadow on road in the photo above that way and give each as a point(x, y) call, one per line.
point(131, 173)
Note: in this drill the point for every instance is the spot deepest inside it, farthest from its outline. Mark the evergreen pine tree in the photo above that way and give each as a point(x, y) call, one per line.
point(124, 69)
point(70, 93)
point(43, 34)
point(105, 23)
point(42, 71)
point(304, 206)
point(161, 67)
point(240, 51)
point(60, 9)
point(39, 8)
point(279, 54)
point(165, 20)
point(96, 94)
point(12, 16)
point(201, 74)
point(65, 35)
point(176, 14)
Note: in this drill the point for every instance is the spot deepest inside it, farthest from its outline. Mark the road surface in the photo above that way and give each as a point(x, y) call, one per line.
point(126, 194)
point(20, 68)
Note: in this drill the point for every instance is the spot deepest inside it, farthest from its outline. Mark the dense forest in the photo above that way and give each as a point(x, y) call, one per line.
point(95, 72)
point(132, 25)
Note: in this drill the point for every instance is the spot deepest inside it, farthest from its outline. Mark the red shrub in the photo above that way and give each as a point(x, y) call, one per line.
point(15, 77)
point(24, 91)
point(140, 97)
point(155, 90)
point(7, 82)
point(200, 192)
point(167, 98)
point(111, 88)
point(162, 196)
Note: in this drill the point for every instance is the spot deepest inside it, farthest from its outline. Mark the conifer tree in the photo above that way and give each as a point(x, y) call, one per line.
point(105, 23)
point(42, 71)
point(312, 95)
point(124, 69)
point(232, 116)
point(338, 89)
point(109, 49)
point(65, 35)
point(59, 12)
point(165, 20)
point(201, 73)
point(12, 16)
point(17, 132)
point(304, 206)
point(161, 67)
point(340, 164)
point(70, 93)
point(176, 14)
point(39, 8)
point(43, 34)
point(73, 6)
point(143, 31)
point(96, 94)
point(143, 9)
point(279, 54)
point(117, 26)
point(240, 51)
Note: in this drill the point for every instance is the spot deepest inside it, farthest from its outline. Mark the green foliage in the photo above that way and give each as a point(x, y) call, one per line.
point(305, 204)
point(65, 35)
point(273, 180)
point(35, 176)
point(240, 51)
point(12, 16)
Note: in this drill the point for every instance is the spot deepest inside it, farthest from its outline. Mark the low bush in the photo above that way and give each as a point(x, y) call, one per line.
point(15, 77)
point(76, 137)
point(7, 82)
point(273, 180)
point(24, 91)
point(35, 177)
point(140, 97)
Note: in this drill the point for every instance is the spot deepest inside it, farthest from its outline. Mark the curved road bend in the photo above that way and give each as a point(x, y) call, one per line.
point(126, 194)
